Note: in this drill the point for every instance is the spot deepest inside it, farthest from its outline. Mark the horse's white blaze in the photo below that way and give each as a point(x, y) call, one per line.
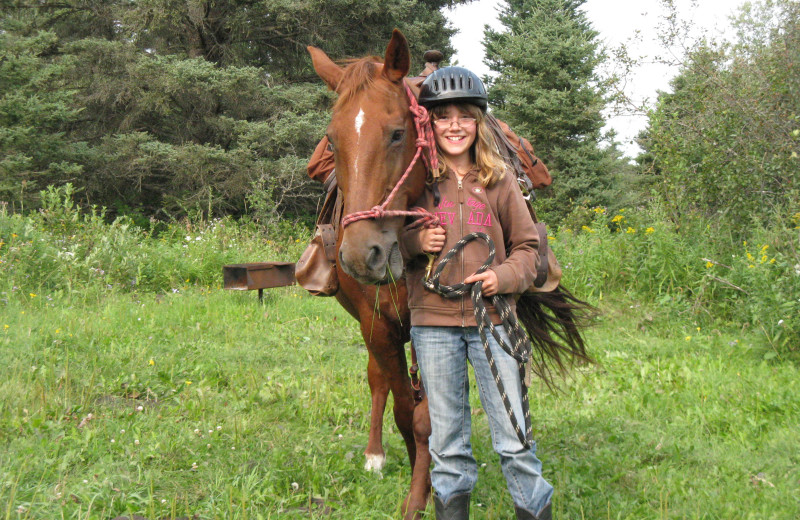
point(359, 121)
point(375, 463)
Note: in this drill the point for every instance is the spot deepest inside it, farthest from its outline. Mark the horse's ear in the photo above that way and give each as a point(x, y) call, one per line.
point(330, 72)
point(397, 62)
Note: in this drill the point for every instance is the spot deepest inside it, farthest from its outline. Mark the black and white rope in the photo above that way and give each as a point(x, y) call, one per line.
point(520, 348)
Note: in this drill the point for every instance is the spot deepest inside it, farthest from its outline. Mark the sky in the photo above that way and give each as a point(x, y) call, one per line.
point(617, 21)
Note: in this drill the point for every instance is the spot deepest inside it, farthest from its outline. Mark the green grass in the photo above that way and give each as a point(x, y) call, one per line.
point(249, 411)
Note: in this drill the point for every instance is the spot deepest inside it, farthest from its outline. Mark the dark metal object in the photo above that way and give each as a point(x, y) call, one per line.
point(262, 275)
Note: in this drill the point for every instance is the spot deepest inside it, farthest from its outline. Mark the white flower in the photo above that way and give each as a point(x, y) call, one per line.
point(295, 486)
point(780, 322)
point(136, 442)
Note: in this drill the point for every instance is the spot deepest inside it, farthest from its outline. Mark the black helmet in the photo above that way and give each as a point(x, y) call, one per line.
point(453, 85)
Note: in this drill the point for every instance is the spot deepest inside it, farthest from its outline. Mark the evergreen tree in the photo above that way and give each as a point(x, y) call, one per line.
point(165, 108)
point(547, 89)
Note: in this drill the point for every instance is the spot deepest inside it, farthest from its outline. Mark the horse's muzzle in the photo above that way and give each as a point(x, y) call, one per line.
point(371, 262)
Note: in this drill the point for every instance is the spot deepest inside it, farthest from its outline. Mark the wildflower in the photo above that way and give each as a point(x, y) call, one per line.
point(763, 259)
point(587, 229)
point(765, 247)
point(151, 362)
point(780, 323)
point(599, 211)
point(58, 331)
point(295, 486)
point(750, 257)
point(139, 408)
point(194, 465)
point(649, 230)
point(698, 329)
point(618, 218)
point(32, 295)
point(5, 327)
point(188, 382)
point(709, 265)
point(630, 230)
point(136, 442)
point(688, 338)
point(772, 261)
point(14, 235)
point(219, 428)
point(122, 431)
point(163, 500)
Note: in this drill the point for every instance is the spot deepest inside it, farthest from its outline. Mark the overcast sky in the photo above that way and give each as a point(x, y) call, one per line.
point(617, 22)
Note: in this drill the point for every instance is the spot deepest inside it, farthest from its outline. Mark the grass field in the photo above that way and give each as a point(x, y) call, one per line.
point(203, 402)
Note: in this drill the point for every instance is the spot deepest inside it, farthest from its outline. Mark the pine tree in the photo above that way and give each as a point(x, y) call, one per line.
point(165, 108)
point(547, 89)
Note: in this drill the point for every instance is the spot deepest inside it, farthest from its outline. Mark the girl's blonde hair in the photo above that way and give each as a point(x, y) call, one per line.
point(484, 152)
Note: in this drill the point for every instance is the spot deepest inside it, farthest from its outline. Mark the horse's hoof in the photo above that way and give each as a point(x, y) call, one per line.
point(374, 463)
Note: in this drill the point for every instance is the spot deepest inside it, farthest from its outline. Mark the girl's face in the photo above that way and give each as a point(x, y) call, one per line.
point(455, 132)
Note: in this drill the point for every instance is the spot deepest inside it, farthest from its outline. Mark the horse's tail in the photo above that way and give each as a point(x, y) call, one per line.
point(554, 321)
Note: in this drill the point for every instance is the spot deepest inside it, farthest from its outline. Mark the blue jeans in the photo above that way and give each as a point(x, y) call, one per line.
point(442, 353)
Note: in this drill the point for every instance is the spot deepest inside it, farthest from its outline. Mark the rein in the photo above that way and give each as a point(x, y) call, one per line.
point(520, 349)
point(425, 140)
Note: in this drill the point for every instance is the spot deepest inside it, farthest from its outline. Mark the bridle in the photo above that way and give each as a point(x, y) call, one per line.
point(425, 141)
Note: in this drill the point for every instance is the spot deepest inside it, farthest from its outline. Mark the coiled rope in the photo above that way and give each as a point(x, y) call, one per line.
point(520, 348)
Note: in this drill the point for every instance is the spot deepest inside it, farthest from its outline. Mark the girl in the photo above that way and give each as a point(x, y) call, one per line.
point(471, 191)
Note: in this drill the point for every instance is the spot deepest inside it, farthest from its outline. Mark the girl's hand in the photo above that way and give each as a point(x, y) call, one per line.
point(489, 279)
point(432, 239)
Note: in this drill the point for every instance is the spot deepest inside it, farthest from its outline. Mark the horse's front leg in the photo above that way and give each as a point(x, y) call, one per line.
point(385, 344)
point(418, 495)
point(379, 388)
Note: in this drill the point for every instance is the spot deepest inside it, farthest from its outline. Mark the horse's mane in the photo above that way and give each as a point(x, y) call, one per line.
point(360, 74)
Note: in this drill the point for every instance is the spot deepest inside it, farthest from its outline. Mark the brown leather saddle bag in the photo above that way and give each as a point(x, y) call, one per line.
point(316, 269)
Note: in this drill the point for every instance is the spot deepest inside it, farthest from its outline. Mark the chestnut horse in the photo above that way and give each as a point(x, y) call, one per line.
point(373, 136)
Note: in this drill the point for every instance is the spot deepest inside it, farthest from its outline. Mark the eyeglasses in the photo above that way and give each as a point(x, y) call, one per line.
point(462, 121)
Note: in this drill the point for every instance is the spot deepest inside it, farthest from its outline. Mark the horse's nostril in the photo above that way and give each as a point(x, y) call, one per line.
point(375, 258)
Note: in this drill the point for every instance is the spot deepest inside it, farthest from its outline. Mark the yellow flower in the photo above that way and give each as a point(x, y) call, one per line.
point(14, 235)
point(763, 259)
point(744, 243)
point(5, 327)
point(33, 295)
point(698, 329)
point(750, 257)
point(58, 331)
point(617, 218)
point(649, 230)
point(550, 238)
point(151, 362)
point(709, 265)
point(599, 210)
point(630, 230)
point(688, 338)
point(188, 382)
point(772, 261)
point(750, 266)
point(587, 229)
point(765, 247)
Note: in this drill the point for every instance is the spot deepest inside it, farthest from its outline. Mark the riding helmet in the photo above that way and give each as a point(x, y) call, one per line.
point(453, 85)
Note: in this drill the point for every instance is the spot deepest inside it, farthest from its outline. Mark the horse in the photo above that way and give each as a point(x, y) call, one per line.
point(375, 137)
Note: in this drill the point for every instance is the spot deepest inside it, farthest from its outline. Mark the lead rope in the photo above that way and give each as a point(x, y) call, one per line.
point(520, 349)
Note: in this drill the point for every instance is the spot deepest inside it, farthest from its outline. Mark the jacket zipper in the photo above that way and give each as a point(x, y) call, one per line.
point(461, 229)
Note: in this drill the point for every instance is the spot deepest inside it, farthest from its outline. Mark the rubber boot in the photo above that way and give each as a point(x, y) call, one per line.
point(457, 508)
point(524, 514)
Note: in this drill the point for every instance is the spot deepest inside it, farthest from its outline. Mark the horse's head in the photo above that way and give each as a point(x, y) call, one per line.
point(373, 137)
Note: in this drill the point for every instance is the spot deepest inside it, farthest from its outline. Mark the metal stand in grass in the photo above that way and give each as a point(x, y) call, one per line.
point(378, 133)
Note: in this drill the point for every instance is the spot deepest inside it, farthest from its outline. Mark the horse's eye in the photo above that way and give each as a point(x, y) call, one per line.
point(397, 135)
point(330, 146)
